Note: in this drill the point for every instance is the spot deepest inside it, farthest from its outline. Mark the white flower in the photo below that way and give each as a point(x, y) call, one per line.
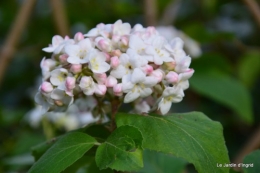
point(119, 28)
point(56, 41)
point(58, 44)
point(97, 62)
point(87, 85)
point(156, 50)
point(137, 44)
point(183, 81)
point(78, 54)
point(59, 76)
point(44, 101)
point(47, 65)
point(86, 104)
point(137, 85)
point(142, 106)
point(61, 98)
point(169, 32)
point(170, 95)
point(128, 62)
point(34, 116)
point(175, 47)
point(182, 64)
point(101, 29)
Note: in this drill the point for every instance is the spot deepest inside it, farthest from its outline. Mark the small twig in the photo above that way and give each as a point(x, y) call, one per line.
point(60, 18)
point(254, 9)
point(150, 12)
point(170, 13)
point(252, 144)
point(14, 35)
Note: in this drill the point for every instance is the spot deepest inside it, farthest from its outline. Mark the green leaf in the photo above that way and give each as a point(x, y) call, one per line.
point(122, 150)
point(249, 68)
point(68, 149)
point(192, 136)
point(252, 162)
point(226, 91)
point(94, 169)
point(40, 149)
point(155, 162)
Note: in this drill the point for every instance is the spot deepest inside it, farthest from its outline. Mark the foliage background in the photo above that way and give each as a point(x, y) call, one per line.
point(229, 37)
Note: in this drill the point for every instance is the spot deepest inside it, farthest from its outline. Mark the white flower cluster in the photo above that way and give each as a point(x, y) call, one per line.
point(79, 114)
point(114, 60)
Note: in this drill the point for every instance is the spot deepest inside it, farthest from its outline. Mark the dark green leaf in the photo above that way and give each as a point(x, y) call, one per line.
point(226, 91)
point(251, 163)
point(40, 149)
point(155, 162)
point(249, 68)
point(94, 169)
point(122, 150)
point(68, 149)
point(192, 136)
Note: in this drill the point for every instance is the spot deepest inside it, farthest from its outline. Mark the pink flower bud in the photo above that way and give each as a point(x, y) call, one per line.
point(111, 81)
point(100, 89)
point(158, 74)
point(70, 83)
point(67, 37)
point(76, 68)
point(63, 58)
point(46, 87)
point(118, 89)
point(100, 77)
point(148, 69)
point(125, 40)
point(78, 36)
point(104, 45)
point(114, 61)
point(172, 77)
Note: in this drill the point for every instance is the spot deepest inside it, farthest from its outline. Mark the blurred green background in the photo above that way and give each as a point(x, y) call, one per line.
point(225, 85)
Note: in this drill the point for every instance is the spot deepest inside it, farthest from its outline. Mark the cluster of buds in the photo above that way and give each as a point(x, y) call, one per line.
point(114, 61)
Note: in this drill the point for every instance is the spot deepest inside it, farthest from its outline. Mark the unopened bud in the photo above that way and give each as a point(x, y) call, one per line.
point(70, 83)
point(66, 37)
point(111, 81)
point(100, 77)
point(158, 74)
point(148, 69)
point(100, 90)
point(78, 37)
point(114, 61)
point(118, 89)
point(125, 40)
point(104, 45)
point(63, 58)
point(46, 87)
point(76, 68)
point(172, 77)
